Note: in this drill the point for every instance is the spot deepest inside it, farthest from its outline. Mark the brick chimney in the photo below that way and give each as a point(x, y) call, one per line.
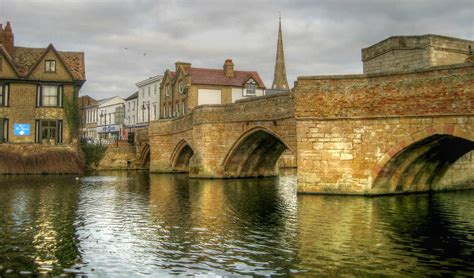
point(1, 33)
point(8, 40)
point(185, 65)
point(229, 68)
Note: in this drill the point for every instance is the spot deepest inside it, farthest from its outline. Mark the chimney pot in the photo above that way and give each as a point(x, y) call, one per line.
point(229, 68)
point(8, 39)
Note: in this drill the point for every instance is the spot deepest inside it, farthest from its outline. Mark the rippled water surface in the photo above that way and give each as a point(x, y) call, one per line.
point(121, 224)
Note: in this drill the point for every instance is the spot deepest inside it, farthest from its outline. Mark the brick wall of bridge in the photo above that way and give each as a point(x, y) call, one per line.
point(348, 127)
point(213, 130)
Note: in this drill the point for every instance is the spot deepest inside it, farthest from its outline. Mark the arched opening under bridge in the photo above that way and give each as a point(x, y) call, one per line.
point(421, 165)
point(255, 154)
point(181, 157)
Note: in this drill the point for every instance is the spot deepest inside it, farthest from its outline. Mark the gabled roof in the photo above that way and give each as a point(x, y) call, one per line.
point(9, 59)
point(25, 60)
point(132, 96)
point(204, 76)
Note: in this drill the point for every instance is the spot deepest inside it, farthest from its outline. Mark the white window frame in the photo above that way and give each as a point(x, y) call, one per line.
point(49, 93)
point(250, 86)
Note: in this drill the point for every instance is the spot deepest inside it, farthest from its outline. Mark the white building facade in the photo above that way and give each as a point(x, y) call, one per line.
point(131, 111)
point(111, 116)
point(148, 100)
point(90, 121)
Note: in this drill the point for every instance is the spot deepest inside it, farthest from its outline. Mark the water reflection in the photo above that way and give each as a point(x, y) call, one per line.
point(37, 222)
point(128, 224)
point(218, 225)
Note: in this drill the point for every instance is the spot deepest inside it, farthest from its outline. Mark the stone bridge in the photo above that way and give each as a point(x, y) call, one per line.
point(244, 139)
point(351, 134)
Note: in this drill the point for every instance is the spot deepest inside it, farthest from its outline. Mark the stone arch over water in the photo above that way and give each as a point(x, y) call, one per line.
point(255, 154)
point(421, 165)
point(145, 156)
point(181, 156)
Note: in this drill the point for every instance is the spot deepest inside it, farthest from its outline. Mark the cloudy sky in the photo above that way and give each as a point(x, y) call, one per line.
point(127, 41)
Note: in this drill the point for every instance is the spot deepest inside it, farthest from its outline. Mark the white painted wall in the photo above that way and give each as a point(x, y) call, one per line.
point(206, 96)
point(148, 99)
point(131, 112)
point(239, 93)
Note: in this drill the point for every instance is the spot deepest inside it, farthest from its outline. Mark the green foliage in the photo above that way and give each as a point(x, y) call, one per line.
point(73, 117)
point(93, 154)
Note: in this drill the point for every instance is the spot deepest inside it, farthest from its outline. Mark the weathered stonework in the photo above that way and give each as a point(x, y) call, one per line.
point(121, 157)
point(379, 134)
point(407, 53)
point(218, 135)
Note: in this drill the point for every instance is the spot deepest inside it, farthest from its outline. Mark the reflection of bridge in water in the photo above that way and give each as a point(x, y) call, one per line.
point(354, 134)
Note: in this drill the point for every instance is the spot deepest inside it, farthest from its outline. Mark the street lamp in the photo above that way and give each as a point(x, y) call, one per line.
point(146, 105)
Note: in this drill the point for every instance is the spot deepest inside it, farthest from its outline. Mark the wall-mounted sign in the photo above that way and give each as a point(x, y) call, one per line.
point(21, 129)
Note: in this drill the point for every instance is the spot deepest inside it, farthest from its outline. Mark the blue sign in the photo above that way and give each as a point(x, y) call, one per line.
point(21, 129)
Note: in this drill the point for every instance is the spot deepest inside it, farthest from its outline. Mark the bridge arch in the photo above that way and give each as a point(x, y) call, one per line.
point(181, 156)
point(145, 156)
point(418, 165)
point(254, 154)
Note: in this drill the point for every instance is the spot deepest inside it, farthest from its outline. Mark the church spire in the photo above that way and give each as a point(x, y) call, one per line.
point(279, 78)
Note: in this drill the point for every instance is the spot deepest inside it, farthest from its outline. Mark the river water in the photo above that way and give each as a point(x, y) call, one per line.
point(120, 224)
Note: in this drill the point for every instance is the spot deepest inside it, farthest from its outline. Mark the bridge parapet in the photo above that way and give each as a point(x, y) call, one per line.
point(351, 128)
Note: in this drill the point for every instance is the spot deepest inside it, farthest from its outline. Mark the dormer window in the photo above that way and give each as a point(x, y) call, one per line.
point(50, 66)
point(182, 86)
point(250, 87)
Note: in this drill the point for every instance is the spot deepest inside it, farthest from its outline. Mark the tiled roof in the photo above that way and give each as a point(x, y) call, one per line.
point(25, 58)
point(217, 77)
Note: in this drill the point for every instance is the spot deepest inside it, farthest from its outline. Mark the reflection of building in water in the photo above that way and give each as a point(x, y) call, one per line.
point(39, 216)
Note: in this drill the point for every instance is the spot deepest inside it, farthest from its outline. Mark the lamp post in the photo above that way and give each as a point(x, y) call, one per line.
point(146, 105)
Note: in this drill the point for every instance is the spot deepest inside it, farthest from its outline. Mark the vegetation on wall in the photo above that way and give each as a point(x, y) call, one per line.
point(93, 154)
point(73, 117)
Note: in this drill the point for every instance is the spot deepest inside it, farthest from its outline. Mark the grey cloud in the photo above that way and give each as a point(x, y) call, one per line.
point(128, 41)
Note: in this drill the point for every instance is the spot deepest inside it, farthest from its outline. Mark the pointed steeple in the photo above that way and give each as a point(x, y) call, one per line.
point(279, 78)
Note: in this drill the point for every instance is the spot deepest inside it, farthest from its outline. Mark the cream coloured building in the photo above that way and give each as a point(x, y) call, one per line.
point(187, 87)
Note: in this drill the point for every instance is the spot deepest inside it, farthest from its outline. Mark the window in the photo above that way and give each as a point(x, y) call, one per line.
point(164, 111)
point(128, 106)
point(148, 90)
point(50, 66)
point(4, 93)
point(154, 111)
point(169, 111)
point(176, 110)
point(167, 90)
point(1, 62)
point(182, 86)
point(48, 131)
point(250, 87)
point(155, 89)
point(3, 130)
point(50, 95)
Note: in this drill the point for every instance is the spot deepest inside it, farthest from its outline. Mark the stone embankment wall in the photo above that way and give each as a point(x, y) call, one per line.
point(213, 132)
point(40, 159)
point(118, 157)
point(350, 127)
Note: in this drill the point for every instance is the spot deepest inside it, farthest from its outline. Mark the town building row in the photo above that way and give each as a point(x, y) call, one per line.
point(173, 94)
